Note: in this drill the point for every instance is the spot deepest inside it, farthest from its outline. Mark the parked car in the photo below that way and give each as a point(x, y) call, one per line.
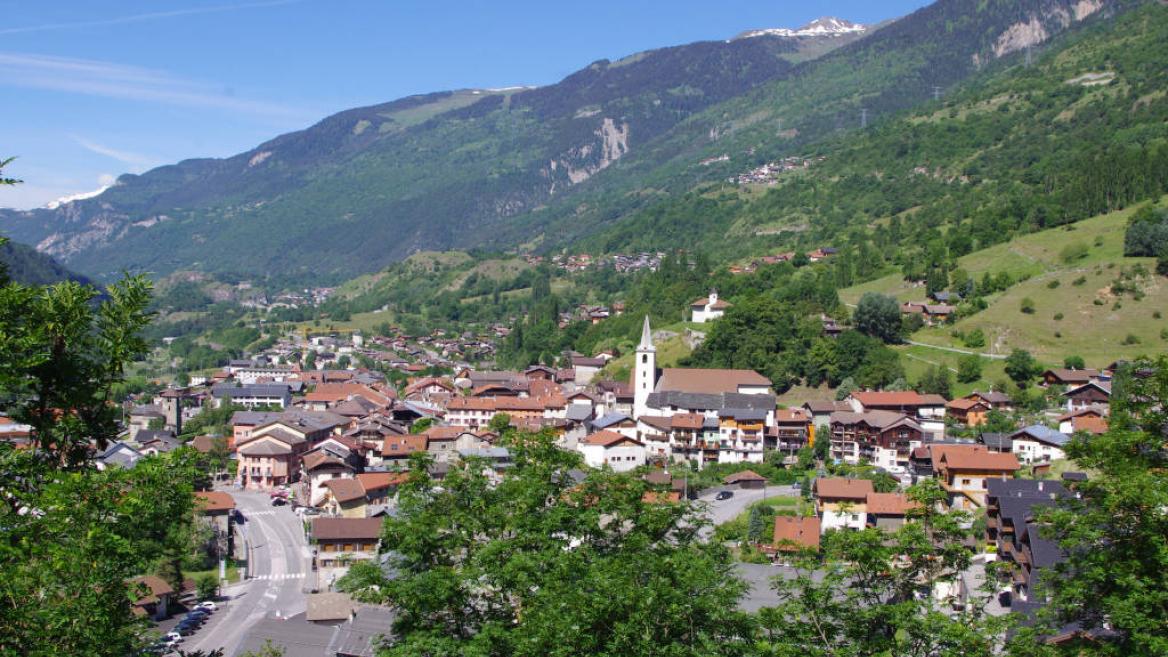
point(724, 495)
point(186, 629)
point(208, 605)
point(173, 637)
point(279, 501)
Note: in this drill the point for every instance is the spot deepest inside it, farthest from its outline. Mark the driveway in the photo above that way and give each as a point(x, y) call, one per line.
point(278, 570)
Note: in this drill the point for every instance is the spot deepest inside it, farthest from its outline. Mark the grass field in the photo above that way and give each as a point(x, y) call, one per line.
point(1075, 312)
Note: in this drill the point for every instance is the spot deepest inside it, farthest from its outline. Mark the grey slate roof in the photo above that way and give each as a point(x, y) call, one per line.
point(121, 455)
point(1000, 441)
point(1042, 434)
point(579, 412)
point(609, 420)
point(743, 413)
point(695, 401)
point(254, 390)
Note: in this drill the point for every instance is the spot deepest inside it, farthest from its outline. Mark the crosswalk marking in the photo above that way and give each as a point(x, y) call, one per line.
point(280, 576)
point(269, 512)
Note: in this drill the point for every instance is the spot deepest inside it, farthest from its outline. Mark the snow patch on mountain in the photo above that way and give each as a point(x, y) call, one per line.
point(820, 27)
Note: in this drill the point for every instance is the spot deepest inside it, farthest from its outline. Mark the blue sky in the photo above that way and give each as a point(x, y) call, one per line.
point(90, 90)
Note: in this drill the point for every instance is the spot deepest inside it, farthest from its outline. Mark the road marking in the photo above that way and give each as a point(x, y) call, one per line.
point(280, 576)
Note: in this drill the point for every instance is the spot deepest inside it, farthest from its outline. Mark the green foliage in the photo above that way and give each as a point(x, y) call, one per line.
point(422, 425)
point(1074, 363)
point(1026, 305)
point(207, 586)
point(1021, 367)
point(936, 381)
point(969, 368)
point(1147, 233)
point(499, 423)
point(540, 565)
point(1074, 252)
point(1114, 530)
point(848, 601)
point(975, 339)
point(878, 315)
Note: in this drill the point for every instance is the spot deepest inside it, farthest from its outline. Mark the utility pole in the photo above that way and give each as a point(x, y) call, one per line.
point(863, 117)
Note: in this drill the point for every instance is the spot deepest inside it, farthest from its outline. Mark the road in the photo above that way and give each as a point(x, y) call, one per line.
point(280, 566)
point(723, 511)
point(955, 350)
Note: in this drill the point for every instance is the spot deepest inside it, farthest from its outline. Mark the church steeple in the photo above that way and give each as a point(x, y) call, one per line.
point(644, 371)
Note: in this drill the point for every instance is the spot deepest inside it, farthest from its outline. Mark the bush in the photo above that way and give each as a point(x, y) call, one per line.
point(207, 586)
point(1156, 314)
point(1131, 339)
point(1058, 317)
point(1079, 281)
point(1053, 284)
point(1027, 305)
point(1074, 251)
point(969, 368)
point(975, 339)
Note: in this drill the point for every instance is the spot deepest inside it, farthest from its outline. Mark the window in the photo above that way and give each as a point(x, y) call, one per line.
point(965, 482)
point(644, 358)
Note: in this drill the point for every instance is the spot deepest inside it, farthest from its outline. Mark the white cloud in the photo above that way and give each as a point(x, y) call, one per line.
point(136, 160)
point(138, 18)
point(110, 80)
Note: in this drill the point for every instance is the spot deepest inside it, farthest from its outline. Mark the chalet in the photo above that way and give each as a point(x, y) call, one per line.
point(619, 452)
point(998, 401)
point(321, 466)
point(820, 411)
point(938, 313)
point(842, 503)
point(616, 422)
point(909, 403)
point(708, 308)
point(964, 471)
point(884, 438)
point(339, 541)
point(1011, 508)
point(1092, 419)
point(586, 368)
point(1039, 444)
point(396, 450)
point(794, 534)
point(150, 597)
point(970, 412)
point(1092, 393)
point(1068, 377)
point(218, 507)
point(888, 511)
point(792, 430)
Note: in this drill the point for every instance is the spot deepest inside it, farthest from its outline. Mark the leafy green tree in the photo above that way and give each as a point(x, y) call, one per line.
point(1115, 530)
point(1021, 367)
point(207, 586)
point(975, 339)
point(499, 423)
point(310, 360)
point(846, 388)
point(998, 422)
point(878, 315)
point(936, 381)
point(1074, 363)
point(540, 564)
point(867, 593)
point(969, 368)
point(422, 425)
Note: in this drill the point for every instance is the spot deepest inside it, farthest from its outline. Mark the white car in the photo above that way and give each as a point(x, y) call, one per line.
point(172, 637)
point(208, 605)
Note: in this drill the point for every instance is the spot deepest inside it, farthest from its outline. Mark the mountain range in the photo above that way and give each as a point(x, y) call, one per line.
point(532, 168)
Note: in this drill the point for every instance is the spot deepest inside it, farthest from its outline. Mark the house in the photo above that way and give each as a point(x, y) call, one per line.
point(319, 467)
point(820, 411)
point(615, 450)
point(970, 412)
point(396, 450)
point(1011, 506)
point(219, 508)
point(792, 430)
point(344, 497)
point(244, 422)
point(793, 534)
point(708, 308)
point(746, 480)
point(154, 442)
point(888, 511)
point(884, 438)
point(253, 394)
point(1061, 376)
point(118, 455)
point(1039, 444)
point(908, 402)
point(140, 418)
point(964, 471)
point(586, 369)
point(1092, 419)
point(1092, 393)
point(842, 503)
point(269, 460)
point(998, 401)
point(150, 597)
point(343, 540)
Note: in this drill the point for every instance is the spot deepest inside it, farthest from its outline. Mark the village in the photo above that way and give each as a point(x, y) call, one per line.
point(308, 462)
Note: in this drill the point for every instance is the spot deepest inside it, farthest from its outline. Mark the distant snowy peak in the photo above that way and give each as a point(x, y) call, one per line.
point(826, 26)
point(64, 200)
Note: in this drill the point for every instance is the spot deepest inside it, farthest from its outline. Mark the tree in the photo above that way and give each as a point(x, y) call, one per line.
point(936, 381)
point(846, 388)
point(1074, 363)
point(422, 425)
point(310, 360)
point(344, 362)
point(207, 586)
point(1021, 367)
point(761, 518)
point(499, 423)
point(540, 564)
point(969, 368)
point(878, 315)
point(1115, 529)
point(863, 595)
point(1026, 305)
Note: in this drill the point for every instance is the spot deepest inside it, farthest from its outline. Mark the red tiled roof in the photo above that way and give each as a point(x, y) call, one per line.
point(402, 445)
point(889, 504)
point(373, 481)
point(687, 421)
point(794, 533)
point(973, 457)
point(745, 475)
point(607, 439)
point(214, 500)
point(843, 489)
point(345, 490)
point(341, 529)
point(712, 381)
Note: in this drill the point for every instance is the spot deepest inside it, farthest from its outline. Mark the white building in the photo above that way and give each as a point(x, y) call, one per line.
point(619, 452)
point(708, 308)
point(644, 371)
point(1039, 444)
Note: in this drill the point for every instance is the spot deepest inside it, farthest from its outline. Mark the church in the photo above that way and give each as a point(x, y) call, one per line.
point(705, 415)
